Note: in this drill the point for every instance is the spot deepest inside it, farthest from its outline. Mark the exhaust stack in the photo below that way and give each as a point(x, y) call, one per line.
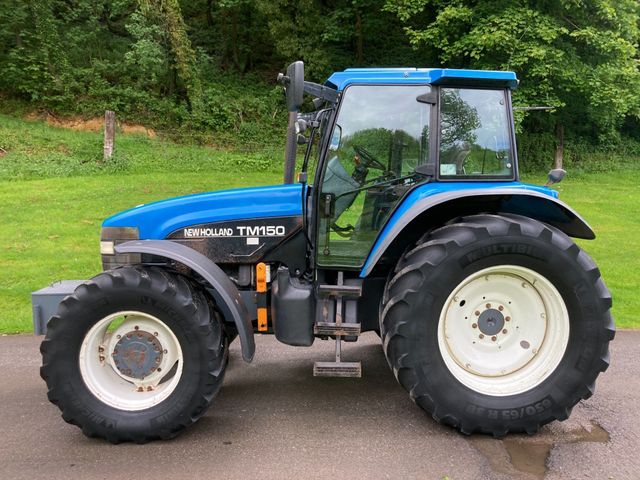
point(293, 83)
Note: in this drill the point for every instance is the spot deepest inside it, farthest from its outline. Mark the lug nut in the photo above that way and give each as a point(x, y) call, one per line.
point(100, 349)
point(136, 327)
point(504, 331)
point(507, 318)
point(500, 308)
point(488, 305)
point(475, 325)
point(477, 313)
point(155, 333)
point(494, 338)
point(481, 336)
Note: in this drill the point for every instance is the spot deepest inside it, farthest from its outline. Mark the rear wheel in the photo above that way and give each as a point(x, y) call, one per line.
point(497, 324)
point(134, 354)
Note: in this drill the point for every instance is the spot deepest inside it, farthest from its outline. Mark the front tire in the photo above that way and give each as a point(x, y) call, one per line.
point(497, 324)
point(135, 354)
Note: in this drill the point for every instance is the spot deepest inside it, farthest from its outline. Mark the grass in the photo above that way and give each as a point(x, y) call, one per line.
point(55, 192)
point(51, 227)
point(610, 203)
point(35, 150)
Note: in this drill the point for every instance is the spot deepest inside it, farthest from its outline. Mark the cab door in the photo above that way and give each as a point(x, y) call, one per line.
point(380, 136)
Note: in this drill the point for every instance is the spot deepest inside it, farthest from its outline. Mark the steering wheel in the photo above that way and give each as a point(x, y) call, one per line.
point(368, 160)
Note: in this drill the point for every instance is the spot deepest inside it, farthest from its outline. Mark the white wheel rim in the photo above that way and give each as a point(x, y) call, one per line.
point(104, 368)
point(532, 326)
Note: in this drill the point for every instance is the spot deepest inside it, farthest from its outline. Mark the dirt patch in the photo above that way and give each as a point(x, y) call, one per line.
point(3, 152)
point(529, 456)
point(522, 456)
point(90, 124)
point(596, 434)
point(132, 128)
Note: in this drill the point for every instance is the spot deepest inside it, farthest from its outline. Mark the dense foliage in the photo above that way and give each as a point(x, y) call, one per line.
point(205, 68)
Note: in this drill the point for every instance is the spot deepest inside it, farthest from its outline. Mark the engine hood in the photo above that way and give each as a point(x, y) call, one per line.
point(155, 221)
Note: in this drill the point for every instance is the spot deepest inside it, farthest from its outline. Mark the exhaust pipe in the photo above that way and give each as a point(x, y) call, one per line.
point(291, 148)
point(293, 83)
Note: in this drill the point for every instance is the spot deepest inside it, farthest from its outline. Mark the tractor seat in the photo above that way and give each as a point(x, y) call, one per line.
point(339, 182)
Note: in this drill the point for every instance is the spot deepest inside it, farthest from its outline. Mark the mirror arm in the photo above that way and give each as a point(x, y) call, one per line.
point(320, 91)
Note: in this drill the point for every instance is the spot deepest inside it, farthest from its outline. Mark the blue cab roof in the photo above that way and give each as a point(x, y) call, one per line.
point(412, 76)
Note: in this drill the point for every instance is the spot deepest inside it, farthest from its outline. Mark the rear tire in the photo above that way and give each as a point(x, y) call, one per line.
point(135, 354)
point(487, 282)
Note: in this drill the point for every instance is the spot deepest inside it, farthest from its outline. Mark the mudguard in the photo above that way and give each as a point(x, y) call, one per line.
point(226, 294)
point(538, 203)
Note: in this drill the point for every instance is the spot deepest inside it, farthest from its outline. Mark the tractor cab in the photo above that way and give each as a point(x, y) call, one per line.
point(380, 133)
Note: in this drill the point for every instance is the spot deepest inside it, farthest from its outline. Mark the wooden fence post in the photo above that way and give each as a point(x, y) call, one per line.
point(559, 145)
point(109, 133)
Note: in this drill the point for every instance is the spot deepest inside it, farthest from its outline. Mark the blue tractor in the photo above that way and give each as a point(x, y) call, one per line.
point(407, 219)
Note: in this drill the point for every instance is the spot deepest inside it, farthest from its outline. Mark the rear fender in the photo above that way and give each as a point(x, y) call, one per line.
point(434, 210)
point(226, 295)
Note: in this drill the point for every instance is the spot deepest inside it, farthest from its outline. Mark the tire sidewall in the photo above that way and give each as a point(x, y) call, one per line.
point(97, 304)
point(541, 402)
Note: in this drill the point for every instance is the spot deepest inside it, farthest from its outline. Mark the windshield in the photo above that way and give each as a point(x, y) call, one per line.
point(381, 135)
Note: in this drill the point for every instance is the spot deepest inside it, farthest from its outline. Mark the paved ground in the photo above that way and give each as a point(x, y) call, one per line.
point(274, 420)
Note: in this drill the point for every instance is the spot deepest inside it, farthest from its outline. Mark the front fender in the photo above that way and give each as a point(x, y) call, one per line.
point(521, 200)
point(226, 294)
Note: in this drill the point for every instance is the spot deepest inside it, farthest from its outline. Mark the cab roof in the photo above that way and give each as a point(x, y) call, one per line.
point(413, 76)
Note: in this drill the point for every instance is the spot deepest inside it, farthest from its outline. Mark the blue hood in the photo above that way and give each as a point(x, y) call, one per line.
point(157, 220)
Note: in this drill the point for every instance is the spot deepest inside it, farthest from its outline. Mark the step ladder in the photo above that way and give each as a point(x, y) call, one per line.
point(338, 329)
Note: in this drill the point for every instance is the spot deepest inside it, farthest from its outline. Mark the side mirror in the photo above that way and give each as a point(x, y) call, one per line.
point(555, 176)
point(293, 83)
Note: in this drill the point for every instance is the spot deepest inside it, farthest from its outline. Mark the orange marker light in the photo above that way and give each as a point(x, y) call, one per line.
point(261, 289)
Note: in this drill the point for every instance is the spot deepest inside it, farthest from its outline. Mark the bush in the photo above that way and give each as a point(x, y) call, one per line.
point(536, 153)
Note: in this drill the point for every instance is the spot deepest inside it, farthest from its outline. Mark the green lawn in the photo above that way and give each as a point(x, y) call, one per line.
point(610, 203)
point(50, 217)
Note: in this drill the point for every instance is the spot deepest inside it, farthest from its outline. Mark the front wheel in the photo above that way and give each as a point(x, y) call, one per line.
point(497, 324)
point(135, 354)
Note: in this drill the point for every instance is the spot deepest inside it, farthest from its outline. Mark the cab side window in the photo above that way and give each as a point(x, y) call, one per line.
point(474, 134)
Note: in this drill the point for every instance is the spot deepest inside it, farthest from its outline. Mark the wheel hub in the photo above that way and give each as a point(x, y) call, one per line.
point(503, 330)
point(491, 321)
point(137, 354)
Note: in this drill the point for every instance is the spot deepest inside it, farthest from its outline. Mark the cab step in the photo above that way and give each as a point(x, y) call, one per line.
point(336, 329)
point(336, 296)
point(352, 291)
point(337, 369)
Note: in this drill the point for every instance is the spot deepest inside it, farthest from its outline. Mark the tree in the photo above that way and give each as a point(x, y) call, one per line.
point(579, 56)
point(167, 15)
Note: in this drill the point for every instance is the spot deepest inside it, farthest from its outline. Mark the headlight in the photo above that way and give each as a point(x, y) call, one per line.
point(109, 238)
point(106, 247)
